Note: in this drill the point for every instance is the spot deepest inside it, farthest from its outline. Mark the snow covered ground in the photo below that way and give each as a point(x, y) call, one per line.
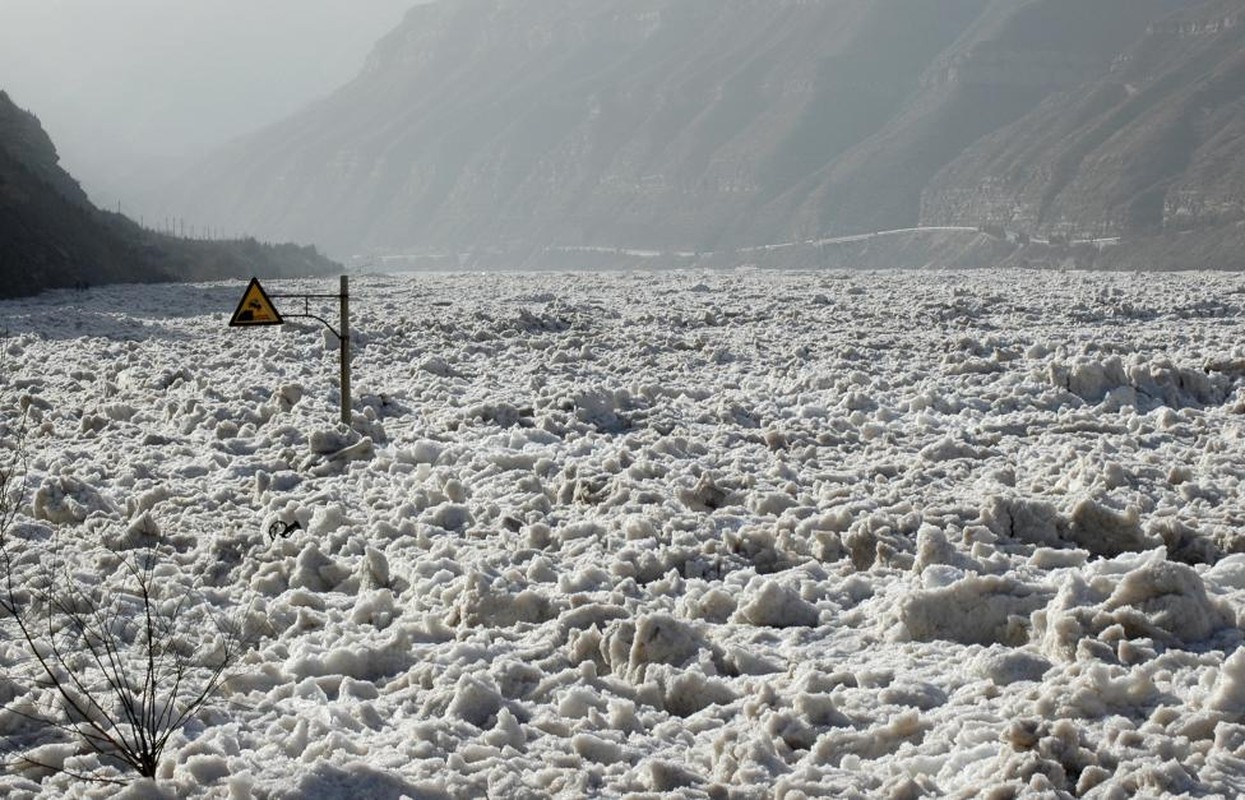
point(726, 535)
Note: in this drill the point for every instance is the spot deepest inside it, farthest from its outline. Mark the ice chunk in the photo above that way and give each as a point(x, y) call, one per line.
point(423, 451)
point(667, 776)
point(653, 639)
point(373, 569)
point(204, 769)
point(1004, 666)
point(1141, 384)
point(316, 571)
point(498, 604)
point(597, 748)
point(1106, 532)
point(451, 516)
point(143, 531)
point(774, 605)
point(1030, 521)
point(662, 639)
point(65, 500)
point(475, 701)
point(1154, 599)
point(1169, 598)
point(951, 449)
point(692, 691)
point(1228, 693)
point(1229, 573)
point(1090, 380)
point(978, 609)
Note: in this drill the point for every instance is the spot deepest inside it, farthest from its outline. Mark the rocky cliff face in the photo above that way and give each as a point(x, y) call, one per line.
point(1146, 145)
point(51, 236)
point(700, 125)
point(23, 140)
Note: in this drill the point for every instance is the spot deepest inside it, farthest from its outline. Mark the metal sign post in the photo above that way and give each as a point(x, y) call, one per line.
point(256, 308)
point(344, 336)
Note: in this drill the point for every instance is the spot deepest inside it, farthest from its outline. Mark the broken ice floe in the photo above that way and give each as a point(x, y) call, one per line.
point(738, 535)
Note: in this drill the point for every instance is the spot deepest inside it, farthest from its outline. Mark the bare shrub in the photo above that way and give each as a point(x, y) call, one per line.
point(120, 651)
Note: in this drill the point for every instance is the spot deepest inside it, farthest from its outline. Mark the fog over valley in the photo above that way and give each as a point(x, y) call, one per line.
point(129, 89)
point(520, 133)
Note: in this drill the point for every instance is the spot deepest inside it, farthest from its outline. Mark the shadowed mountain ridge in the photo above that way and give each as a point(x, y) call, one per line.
point(51, 236)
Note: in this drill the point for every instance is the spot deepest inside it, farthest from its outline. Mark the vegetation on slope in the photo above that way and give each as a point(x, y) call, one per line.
point(51, 236)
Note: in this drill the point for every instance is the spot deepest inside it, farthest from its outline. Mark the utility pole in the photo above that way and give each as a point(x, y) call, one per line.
point(344, 336)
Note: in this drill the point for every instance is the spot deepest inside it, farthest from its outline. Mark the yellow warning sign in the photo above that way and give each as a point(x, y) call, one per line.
point(255, 308)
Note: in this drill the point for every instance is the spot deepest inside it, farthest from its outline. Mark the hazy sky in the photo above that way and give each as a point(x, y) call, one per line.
point(123, 83)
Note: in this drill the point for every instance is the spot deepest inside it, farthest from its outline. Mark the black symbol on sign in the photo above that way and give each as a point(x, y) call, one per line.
point(251, 308)
point(279, 528)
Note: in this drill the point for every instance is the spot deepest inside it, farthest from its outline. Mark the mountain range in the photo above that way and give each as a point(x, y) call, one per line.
point(52, 236)
point(698, 126)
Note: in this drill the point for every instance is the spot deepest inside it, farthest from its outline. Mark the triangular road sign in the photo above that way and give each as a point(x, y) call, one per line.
point(255, 308)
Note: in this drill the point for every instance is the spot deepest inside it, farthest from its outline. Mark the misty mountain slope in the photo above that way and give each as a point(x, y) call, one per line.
point(654, 122)
point(515, 125)
point(1016, 55)
point(1151, 145)
point(52, 236)
point(23, 141)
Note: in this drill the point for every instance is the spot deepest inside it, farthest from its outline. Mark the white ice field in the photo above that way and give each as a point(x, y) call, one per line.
point(670, 535)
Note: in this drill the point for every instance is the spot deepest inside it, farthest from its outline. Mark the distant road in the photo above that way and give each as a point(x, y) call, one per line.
point(855, 237)
point(764, 248)
point(1011, 236)
point(860, 237)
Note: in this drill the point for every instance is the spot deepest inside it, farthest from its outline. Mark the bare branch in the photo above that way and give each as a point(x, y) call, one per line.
point(116, 661)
